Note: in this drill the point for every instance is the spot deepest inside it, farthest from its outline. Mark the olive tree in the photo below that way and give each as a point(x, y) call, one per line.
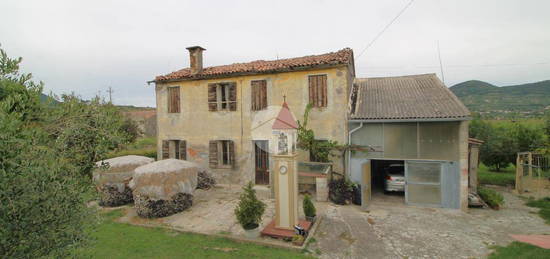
point(46, 155)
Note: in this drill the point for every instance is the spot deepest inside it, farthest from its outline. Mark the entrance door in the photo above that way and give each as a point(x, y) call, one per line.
point(261, 161)
point(423, 183)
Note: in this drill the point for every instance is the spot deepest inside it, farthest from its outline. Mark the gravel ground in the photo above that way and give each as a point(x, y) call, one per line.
point(394, 230)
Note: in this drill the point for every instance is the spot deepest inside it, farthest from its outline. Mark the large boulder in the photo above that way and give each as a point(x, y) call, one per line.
point(112, 177)
point(164, 187)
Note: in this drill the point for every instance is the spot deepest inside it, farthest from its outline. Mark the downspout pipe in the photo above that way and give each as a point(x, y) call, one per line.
point(349, 142)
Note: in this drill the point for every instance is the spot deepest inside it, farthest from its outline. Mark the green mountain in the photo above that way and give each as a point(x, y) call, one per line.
point(525, 100)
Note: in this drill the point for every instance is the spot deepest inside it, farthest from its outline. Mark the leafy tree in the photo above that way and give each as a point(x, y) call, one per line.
point(250, 210)
point(526, 138)
point(504, 140)
point(42, 204)
point(46, 155)
point(85, 131)
point(132, 129)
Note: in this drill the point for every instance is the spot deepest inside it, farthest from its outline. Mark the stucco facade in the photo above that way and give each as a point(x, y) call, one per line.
point(197, 125)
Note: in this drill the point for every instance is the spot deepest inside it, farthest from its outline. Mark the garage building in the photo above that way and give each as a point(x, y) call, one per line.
point(416, 122)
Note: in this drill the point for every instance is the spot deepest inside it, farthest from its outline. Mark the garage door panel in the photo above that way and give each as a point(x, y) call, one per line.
point(423, 184)
point(424, 194)
point(424, 172)
point(450, 182)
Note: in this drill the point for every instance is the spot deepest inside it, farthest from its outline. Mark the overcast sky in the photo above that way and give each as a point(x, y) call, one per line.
point(87, 46)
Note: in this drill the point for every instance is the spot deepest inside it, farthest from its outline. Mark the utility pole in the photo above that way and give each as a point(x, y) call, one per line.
point(110, 91)
point(440, 63)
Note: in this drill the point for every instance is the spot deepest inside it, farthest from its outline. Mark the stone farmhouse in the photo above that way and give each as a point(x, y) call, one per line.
point(220, 117)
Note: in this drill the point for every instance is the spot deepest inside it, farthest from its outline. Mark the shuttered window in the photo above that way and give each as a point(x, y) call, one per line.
point(318, 90)
point(174, 99)
point(221, 154)
point(176, 149)
point(222, 97)
point(259, 95)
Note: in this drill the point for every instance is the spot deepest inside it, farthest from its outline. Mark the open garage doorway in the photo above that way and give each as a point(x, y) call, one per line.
point(388, 181)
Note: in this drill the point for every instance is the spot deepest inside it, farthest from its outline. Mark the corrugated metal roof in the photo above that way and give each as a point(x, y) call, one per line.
point(405, 97)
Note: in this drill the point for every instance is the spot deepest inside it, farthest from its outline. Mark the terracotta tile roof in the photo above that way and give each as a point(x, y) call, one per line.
point(343, 56)
point(405, 97)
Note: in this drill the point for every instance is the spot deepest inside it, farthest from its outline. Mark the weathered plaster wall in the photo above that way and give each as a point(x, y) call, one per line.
point(198, 126)
point(463, 161)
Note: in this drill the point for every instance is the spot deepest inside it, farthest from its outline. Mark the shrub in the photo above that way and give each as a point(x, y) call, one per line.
point(491, 197)
point(250, 210)
point(42, 198)
point(132, 129)
point(341, 191)
point(309, 208)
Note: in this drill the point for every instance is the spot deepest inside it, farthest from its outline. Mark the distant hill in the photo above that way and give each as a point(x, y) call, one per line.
point(526, 100)
point(131, 108)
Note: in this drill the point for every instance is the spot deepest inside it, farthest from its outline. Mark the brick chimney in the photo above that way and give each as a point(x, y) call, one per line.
point(195, 58)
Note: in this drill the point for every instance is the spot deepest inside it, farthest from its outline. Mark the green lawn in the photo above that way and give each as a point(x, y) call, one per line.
point(544, 205)
point(118, 240)
point(519, 250)
point(506, 176)
point(146, 146)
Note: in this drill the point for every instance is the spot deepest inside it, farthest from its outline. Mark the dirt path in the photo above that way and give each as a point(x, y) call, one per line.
point(390, 230)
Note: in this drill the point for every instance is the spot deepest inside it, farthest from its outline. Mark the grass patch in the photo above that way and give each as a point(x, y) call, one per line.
point(544, 205)
point(141, 147)
point(519, 250)
point(119, 240)
point(503, 178)
point(491, 197)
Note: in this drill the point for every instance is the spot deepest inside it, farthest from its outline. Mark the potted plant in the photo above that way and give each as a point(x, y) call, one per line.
point(249, 211)
point(298, 240)
point(341, 191)
point(309, 208)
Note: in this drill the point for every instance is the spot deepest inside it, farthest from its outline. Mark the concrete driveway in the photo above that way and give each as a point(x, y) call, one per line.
point(393, 230)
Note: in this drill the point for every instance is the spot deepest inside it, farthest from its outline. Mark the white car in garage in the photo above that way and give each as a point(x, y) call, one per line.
point(394, 176)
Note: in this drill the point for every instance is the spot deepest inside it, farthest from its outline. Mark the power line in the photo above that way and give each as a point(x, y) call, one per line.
point(385, 28)
point(458, 66)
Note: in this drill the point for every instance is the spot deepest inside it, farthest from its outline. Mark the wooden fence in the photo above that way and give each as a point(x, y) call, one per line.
point(533, 174)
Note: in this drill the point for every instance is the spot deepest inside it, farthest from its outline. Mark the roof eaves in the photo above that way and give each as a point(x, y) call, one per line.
point(235, 74)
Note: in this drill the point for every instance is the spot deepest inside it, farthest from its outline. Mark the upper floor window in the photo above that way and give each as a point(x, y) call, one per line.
point(174, 99)
point(318, 90)
point(222, 96)
point(259, 95)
